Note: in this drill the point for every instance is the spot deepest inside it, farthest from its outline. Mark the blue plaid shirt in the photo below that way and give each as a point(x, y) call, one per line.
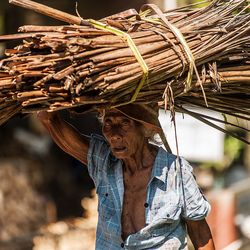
point(170, 198)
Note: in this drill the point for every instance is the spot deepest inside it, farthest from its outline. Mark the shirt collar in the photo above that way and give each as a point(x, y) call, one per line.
point(161, 165)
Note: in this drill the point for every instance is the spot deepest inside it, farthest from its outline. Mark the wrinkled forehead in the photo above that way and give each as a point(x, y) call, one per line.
point(115, 113)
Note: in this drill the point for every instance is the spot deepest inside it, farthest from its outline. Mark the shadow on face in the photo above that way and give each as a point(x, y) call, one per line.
point(125, 136)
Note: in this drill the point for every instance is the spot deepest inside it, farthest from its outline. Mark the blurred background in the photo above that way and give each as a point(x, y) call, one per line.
point(47, 199)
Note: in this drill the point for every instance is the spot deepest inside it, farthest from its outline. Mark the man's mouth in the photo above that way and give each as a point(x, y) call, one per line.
point(119, 149)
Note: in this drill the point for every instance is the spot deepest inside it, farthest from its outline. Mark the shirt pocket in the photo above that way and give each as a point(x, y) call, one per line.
point(166, 208)
point(106, 208)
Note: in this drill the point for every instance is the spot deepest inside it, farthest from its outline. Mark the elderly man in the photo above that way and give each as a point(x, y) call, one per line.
point(148, 198)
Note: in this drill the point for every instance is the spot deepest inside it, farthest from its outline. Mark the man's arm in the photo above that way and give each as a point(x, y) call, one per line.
point(200, 235)
point(65, 135)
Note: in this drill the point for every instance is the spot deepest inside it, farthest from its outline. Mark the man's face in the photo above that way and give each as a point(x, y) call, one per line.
point(124, 135)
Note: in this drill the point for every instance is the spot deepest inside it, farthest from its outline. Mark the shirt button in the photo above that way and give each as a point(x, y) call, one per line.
point(146, 204)
point(122, 245)
point(106, 194)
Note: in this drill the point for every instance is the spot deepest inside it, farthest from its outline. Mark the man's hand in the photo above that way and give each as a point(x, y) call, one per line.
point(200, 235)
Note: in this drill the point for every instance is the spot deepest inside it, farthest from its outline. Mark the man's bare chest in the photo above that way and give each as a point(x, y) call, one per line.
point(134, 202)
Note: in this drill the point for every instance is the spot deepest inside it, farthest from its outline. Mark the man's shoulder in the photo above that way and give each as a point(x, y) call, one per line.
point(97, 137)
point(165, 158)
point(170, 160)
point(98, 146)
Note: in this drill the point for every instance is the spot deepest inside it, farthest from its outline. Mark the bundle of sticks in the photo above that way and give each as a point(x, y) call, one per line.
point(180, 58)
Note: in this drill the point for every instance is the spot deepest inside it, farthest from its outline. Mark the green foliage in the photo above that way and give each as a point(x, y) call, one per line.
point(232, 149)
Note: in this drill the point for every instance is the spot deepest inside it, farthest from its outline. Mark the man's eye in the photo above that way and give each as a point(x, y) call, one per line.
point(125, 123)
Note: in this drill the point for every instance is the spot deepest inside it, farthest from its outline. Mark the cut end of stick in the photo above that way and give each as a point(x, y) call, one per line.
point(13, 2)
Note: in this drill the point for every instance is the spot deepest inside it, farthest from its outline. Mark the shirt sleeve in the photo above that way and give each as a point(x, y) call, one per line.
point(194, 205)
point(98, 154)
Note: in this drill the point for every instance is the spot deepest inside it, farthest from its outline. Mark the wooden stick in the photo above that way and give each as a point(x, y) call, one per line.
point(48, 11)
point(60, 67)
point(31, 94)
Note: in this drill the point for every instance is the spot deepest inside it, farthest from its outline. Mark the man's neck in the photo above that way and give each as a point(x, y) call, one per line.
point(144, 158)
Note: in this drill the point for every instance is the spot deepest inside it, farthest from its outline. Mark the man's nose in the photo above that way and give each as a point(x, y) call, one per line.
point(115, 133)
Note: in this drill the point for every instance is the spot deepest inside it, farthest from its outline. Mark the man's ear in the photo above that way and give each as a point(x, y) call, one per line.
point(147, 131)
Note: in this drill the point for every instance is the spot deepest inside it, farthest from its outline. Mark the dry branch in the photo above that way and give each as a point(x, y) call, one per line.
point(81, 65)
